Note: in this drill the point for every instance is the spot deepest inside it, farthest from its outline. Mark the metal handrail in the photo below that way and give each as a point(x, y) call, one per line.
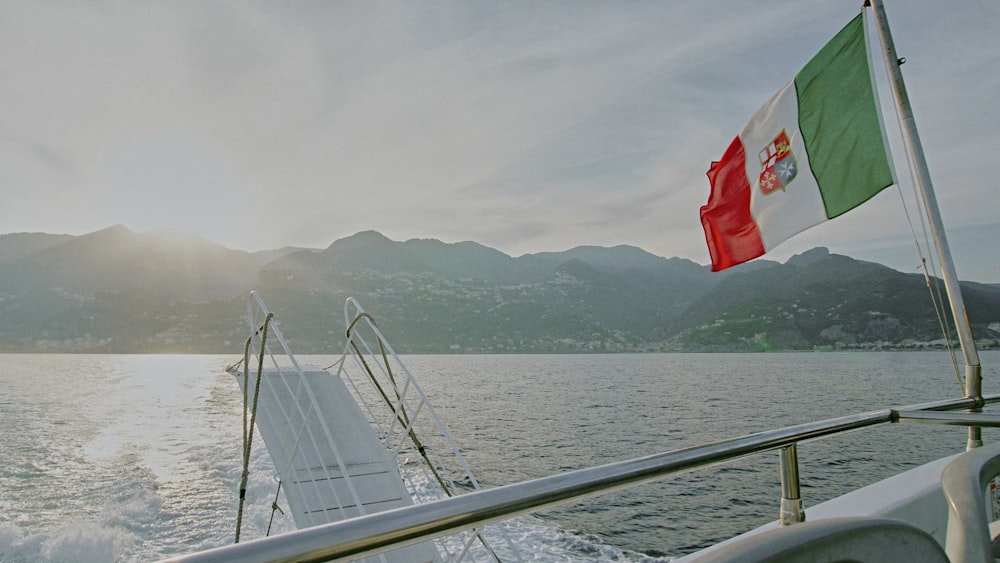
point(384, 531)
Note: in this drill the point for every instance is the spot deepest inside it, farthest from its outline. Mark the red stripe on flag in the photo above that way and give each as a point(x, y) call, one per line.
point(730, 230)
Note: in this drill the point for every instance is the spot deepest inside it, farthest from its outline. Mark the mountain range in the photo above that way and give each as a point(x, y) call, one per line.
point(116, 291)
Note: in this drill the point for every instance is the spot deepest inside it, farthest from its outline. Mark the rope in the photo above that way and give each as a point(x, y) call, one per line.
point(334, 364)
point(237, 364)
point(934, 286)
point(405, 423)
point(399, 414)
point(931, 278)
point(275, 507)
point(932, 282)
point(404, 419)
point(249, 425)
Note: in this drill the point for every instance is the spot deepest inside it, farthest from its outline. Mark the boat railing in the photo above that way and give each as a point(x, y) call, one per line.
point(385, 531)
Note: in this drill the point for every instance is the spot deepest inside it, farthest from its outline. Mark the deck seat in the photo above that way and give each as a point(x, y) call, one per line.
point(964, 483)
point(833, 539)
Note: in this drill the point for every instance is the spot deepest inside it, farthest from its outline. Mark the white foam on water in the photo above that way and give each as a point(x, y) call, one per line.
point(76, 542)
point(85, 542)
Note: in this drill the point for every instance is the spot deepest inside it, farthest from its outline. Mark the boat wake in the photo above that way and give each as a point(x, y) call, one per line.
point(536, 540)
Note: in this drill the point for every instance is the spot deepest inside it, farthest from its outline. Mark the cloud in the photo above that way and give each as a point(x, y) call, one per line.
point(525, 126)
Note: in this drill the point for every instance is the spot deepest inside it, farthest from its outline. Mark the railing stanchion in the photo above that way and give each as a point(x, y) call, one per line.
point(791, 500)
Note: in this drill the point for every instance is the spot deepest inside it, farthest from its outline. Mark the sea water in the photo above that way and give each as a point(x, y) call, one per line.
point(137, 458)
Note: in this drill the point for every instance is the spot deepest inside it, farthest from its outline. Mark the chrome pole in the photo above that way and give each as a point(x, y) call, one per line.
point(973, 371)
point(791, 501)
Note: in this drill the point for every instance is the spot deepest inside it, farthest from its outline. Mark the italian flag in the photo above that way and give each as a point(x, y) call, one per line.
point(814, 151)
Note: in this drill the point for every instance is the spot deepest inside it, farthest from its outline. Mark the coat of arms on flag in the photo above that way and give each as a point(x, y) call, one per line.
point(777, 163)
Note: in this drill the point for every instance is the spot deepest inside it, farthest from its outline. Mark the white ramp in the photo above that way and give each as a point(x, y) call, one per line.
point(331, 463)
point(340, 441)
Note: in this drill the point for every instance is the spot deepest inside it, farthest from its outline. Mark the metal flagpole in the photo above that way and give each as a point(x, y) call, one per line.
point(973, 373)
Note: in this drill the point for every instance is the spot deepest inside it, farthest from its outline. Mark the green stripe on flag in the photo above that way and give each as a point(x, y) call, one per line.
point(840, 123)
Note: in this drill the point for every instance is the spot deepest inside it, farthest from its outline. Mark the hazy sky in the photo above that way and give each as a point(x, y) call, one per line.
point(525, 126)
